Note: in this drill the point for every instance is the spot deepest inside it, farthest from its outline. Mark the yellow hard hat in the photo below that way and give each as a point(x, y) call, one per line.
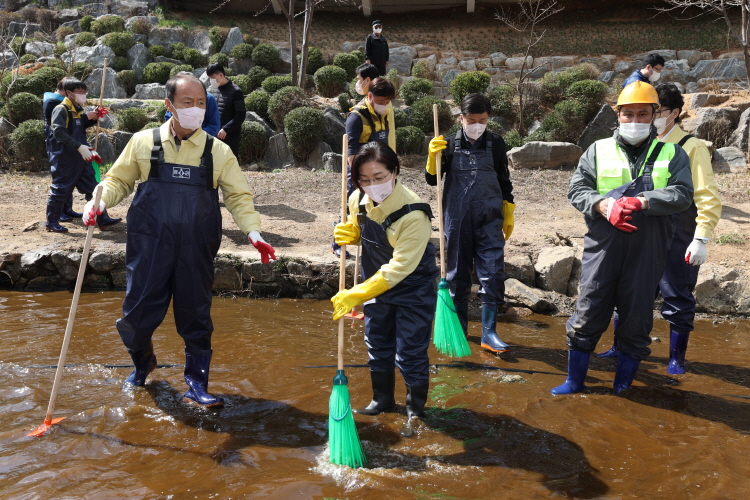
point(638, 93)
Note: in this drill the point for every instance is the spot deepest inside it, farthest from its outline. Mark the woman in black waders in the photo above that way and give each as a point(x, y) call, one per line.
point(398, 264)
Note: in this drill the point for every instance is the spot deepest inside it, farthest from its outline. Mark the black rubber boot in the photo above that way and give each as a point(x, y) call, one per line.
point(383, 387)
point(104, 221)
point(54, 209)
point(490, 340)
point(416, 398)
point(145, 362)
point(196, 377)
point(67, 212)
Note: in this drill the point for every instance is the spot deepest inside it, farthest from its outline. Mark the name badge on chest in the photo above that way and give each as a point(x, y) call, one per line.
point(78, 122)
point(472, 159)
point(180, 173)
point(383, 134)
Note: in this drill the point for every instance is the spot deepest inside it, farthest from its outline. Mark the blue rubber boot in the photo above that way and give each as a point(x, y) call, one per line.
point(613, 351)
point(490, 340)
point(145, 362)
point(68, 214)
point(626, 369)
point(677, 347)
point(578, 365)
point(104, 221)
point(196, 377)
point(54, 209)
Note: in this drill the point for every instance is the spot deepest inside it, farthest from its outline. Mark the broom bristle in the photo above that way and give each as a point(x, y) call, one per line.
point(449, 338)
point(343, 441)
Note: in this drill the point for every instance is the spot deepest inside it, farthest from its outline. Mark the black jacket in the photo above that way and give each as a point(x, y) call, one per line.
point(376, 49)
point(231, 102)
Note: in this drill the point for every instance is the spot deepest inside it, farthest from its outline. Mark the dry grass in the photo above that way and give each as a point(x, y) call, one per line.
point(733, 187)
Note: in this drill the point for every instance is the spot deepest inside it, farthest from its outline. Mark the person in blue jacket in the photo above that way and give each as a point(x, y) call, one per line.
point(650, 73)
point(212, 123)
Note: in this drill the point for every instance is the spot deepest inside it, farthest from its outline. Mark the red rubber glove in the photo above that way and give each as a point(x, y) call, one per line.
point(102, 112)
point(95, 157)
point(637, 205)
point(267, 253)
point(619, 214)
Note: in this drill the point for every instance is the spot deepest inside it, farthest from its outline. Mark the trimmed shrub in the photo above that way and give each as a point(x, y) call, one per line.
point(345, 103)
point(50, 75)
point(392, 76)
point(503, 100)
point(151, 125)
point(347, 62)
point(257, 102)
point(421, 114)
point(25, 106)
point(273, 84)
point(513, 140)
point(359, 55)
point(62, 32)
point(243, 82)
point(131, 119)
point(315, 60)
point(257, 75)
point(28, 138)
point(141, 27)
point(221, 58)
point(304, 129)
point(253, 142)
point(420, 70)
point(178, 50)
point(84, 24)
point(179, 67)
point(107, 24)
point(18, 46)
point(565, 123)
point(56, 63)
point(120, 43)
point(409, 141)
point(25, 83)
point(415, 89)
point(194, 58)
point(590, 93)
point(82, 70)
point(27, 58)
point(401, 118)
point(330, 80)
point(128, 78)
point(85, 39)
point(218, 35)
point(555, 85)
point(120, 63)
point(157, 50)
point(266, 56)
point(159, 113)
point(282, 102)
point(242, 51)
point(469, 83)
point(59, 49)
point(157, 72)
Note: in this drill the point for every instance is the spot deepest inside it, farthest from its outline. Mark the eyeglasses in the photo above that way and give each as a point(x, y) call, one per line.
point(659, 112)
point(376, 180)
point(377, 27)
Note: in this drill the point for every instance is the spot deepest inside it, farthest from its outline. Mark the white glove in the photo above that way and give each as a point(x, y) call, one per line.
point(85, 152)
point(89, 213)
point(696, 253)
point(255, 237)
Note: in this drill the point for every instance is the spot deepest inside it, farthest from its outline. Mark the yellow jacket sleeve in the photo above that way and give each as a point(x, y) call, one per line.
point(409, 237)
point(705, 191)
point(119, 181)
point(392, 127)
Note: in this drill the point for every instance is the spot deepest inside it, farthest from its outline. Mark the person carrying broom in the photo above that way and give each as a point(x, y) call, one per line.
point(398, 264)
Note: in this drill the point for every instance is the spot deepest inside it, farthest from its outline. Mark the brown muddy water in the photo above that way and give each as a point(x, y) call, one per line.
point(494, 431)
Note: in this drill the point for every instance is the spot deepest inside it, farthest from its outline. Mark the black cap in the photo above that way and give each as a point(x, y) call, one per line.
point(377, 22)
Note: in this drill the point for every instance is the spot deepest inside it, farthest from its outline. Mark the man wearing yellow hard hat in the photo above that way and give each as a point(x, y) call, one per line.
point(627, 187)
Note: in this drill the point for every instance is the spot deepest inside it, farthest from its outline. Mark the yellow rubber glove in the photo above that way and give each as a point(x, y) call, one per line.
point(509, 219)
point(346, 234)
point(437, 144)
point(346, 300)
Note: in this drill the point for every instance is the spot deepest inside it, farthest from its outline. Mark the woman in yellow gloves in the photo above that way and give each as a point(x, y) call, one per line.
point(478, 213)
point(398, 263)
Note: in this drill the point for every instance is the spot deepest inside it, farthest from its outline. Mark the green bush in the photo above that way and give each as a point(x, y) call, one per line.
point(27, 59)
point(221, 58)
point(304, 129)
point(128, 78)
point(242, 51)
point(565, 123)
point(503, 100)
point(409, 141)
point(119, 63)
point(157, 50)
point(273, 84)
point(25, 106)
point(253, 142)
point(82, 70)
point(140, 27)
point(217, 35)
point(420, 70)
point(359, 55)
point(282, 102)
point(590, 93)
point(120, 43)
point(401, 118)
point(131, 119)
point(243, 82)
point(195, 58)
point(315, 60)
point(330, 80)
point(18, 46)
point(62, 32)
point(84, 24)
point(107, 24)
point(59, 49)
point(159, 113)
point(347, 62)
point(157, 72)
point(257, 102)
point(421, 114)
point(257, 75)
point(28, 139)
point(266, 56)
point(469, 83)
point(179, 67)
point(56, 63)
point(178, 50)
point(25, 83)
point(345, 103)
point(85, 39)
point(393, 77)
point(415, 89)
point(50, 75)
point(151, 125)
point(513, 140)
point(555, 85)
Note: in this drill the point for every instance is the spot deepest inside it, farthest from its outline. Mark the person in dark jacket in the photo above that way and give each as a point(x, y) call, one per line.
point(651, 71)
point(231, 103)
point(376, 48)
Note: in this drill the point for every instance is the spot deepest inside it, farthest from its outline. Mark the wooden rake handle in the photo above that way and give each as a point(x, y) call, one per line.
point(101, 98)
point(438, 172)
point(342, 256)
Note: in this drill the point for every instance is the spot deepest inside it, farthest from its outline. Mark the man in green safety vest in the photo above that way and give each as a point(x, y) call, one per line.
point(627, 187)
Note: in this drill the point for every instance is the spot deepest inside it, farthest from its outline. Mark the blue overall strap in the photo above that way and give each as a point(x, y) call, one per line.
point(157, 154)
point(649, 166)
point(457, 142)
point(684, 140)
point(207, 160)
point(424, 207)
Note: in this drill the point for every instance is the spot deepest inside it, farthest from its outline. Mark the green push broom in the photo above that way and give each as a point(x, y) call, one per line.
point(95, 164)
point(343, 441)
point(448, 335)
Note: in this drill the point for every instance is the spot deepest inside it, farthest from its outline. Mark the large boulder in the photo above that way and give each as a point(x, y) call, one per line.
point(286, 60)
point(401, 59)
point(553, 268)
point(277, 152)
point(105, 149)
point(430, 62)
point(555, 62)
point(729, 159)
point(704, 124)
point(332, 162)
point(601, 127)
point(335, 128)
point(8, 58)
point(740, 134)
point(93, 55)
point(128, 8)
point(252, 116)
point(150, 91)
point(722, 69)
point(498, 59)
point(601, 63)
point(152, 20)
point(468, 65)
point(166, 36)
point(199, 41)
point(226, 275)
point(676, 71)
point(626, 67)
point(233, 38)
point(516, 293)
point(717, 290)
point(21, 28)
point(350, 46)
point(40, 49)
point(120, 139)
point(703, 99)
point(693, 56)
point(94, 9)
point(113, 89)
point(241, 66)
point(72, 24)
point(6, 129)
point(167, 60)
point(516, 63)
point(450, 75)
point(67, 15)
point(315, 160)
point(537, 154)
point(519, 267)
point(138, 58)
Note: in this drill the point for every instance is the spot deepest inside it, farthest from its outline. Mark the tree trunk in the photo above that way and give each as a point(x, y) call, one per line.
point(292, 40)
point(309, 7)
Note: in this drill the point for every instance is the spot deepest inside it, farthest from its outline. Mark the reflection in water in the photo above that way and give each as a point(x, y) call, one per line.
point(493, 429)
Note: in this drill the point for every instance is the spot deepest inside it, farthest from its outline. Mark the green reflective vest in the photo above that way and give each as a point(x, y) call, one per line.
point(613, 167)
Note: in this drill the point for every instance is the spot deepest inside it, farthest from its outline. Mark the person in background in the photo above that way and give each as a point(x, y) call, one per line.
point(376, 48)
point(231, 102)
point(650, 73)
point(478, 213)
point(69, 154)
point(693, 228)
point(398, 266)
point(174, 232)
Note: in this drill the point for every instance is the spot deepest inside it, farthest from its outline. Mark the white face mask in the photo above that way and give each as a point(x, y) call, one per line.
point(654, 76)
point(379, 192)
point(661, 124)
point(189, 118)
point(378, 30)
point(359, 87)
point(80, 99)
point(634, 133)
point(474, 131)
point(214, 82)
point(379, 108)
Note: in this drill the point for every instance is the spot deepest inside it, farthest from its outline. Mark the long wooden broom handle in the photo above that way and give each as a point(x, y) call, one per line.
point(101, 97)
point(441, 229)
point(72, 314)
point(342, 257)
